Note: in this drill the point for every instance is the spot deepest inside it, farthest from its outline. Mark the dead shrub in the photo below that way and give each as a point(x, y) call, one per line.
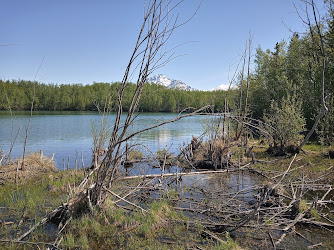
point(35, 166)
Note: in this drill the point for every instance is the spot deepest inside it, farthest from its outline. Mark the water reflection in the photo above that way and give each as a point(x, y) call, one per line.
point(68, 134)
point(223, 183)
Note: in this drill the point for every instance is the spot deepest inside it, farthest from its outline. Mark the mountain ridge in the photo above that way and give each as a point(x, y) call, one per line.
point(169, 83)
point(163, 80)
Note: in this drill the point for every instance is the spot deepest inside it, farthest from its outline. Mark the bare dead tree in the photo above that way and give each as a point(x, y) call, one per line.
point(12, 138)
point(250, 39)
point(243, 108)
point(31, 109)
point(239, 125)
point(158, 25)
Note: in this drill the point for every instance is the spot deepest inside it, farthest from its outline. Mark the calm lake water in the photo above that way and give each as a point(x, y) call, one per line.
point(68, 134)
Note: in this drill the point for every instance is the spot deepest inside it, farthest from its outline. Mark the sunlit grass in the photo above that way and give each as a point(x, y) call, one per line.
point(116, 228)
point(26, 202)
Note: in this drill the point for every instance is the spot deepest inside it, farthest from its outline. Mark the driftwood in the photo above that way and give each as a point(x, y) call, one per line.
point(152, 176)
point(46, 219)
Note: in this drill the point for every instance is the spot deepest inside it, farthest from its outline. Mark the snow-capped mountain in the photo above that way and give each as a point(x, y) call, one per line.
point(224, 87)
point(163, 80)
point(169, 83)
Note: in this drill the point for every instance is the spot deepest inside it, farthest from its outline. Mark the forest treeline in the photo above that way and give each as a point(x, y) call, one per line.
point(17, 95)
point(286, 81)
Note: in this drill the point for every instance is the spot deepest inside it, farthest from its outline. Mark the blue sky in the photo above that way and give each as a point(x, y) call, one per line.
point(83, 41)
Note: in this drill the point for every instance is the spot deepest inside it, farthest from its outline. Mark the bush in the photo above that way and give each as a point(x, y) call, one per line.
point(284, 123)
point(135, 155)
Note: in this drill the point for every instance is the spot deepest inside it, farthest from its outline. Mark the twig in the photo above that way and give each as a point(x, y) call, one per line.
point(212, 236)
point(42, 222)
point(285, 172)
point(287, 228)
point(31, 109)
point(274, 177)
point(119, 197)
point(314, 246)
point(299, 234)
point(63, 227)
point(272, 240)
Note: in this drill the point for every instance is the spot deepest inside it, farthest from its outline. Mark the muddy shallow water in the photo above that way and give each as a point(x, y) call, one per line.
point(236, 191)
point(243, 184)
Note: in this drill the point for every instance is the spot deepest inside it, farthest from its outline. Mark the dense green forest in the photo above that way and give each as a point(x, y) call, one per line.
point(17, 95)
point(286, 80)
point(289, 78)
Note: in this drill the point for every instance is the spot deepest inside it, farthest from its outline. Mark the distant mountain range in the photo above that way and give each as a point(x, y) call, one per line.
point(163, 80)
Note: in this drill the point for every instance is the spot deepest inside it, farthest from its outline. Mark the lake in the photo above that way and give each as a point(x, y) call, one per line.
point(69, 134)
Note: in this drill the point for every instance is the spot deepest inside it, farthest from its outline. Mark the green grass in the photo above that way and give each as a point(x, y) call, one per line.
point(303, 207)
point(31, 200)
point(156, 229)
point(314, 213)
point(313, 161)
point(314, 147)
point(69, 241)
point(228, 244)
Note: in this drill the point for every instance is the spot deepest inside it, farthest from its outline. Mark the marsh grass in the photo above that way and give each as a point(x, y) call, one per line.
point(312, 163)
point(312, 212)
point(135, 155)
point(35, 165)
point(303, 207)
point(159, 228)
point(229, 244)
point(36, 194)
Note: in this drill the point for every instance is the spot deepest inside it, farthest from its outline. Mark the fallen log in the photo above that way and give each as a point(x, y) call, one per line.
point(152, 176)
point(317, 223)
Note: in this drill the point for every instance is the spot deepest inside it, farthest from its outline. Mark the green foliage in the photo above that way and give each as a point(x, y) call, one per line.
point(172, 194)
point(135, 155)
point(83, 242)
point(17, 95)
point(268, 222)
point(269, 80)
point(314, 213)
point(115, 227)
point(162, 153)
point(303, 207)
point(284, 122)
point(297, 63)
